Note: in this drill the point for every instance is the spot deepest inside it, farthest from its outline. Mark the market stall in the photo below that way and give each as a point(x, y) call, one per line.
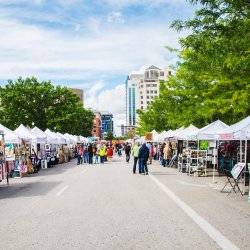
point(25, 151)
point(11, 142)
point(39, 147)
point(210, 134)
point(238, 133)
point(190, 158)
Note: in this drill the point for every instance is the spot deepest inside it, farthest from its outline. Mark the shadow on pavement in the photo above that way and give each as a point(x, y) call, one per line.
point(27, 189)
point(58, 169)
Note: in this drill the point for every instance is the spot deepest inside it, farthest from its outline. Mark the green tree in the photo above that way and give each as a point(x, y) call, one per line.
point(44, 105)
point(109, 136)
point(212, 76)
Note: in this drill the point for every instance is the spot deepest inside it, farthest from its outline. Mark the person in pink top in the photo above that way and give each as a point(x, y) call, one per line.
point(79, 155)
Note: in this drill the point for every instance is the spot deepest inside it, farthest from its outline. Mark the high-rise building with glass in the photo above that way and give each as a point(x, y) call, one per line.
point(131, 96)
point(141, 89)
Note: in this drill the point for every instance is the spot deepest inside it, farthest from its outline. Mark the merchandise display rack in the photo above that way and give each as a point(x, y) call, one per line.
point(197, 162)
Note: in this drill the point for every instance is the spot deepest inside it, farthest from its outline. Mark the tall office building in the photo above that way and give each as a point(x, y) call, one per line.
point(97, 125)
point(107, 123)
point(141, 89)
point(131, 97)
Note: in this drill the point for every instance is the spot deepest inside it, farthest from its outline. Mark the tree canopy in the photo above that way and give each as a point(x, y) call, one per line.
point(212, 79)
point(44, 105)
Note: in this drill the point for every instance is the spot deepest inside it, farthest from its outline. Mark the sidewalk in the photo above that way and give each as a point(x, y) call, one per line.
point(230, 214)
point(202, 181)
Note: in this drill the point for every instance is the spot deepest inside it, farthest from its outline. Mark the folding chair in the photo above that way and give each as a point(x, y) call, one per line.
point(233, 178)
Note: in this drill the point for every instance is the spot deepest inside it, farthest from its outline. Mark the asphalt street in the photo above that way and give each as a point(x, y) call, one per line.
point(108, 207)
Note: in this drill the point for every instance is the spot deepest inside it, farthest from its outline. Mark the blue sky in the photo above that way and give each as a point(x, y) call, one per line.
point(87, 44)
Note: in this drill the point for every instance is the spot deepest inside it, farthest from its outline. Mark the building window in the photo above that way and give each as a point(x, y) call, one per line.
point(169, 73)
point(141, 107)
point(151, 91)
point(141, 86)
point(148, 102)
point(141, 102)
point(155, 91)
point(147, 91)
point(141, 97)
point(147, 97)
point(162, 73)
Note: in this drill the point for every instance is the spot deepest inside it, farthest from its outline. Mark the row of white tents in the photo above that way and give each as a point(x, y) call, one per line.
point(217, 130)
point(36, 135)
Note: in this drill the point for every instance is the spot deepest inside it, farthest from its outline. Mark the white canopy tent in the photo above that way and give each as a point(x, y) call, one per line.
point(237, 131)
point(188, 134)
point(25, 134)
point(212, 131)
point(40, 135)
point(167, 134)
point(52, 137)
point(72, 139)
point(9, 135)
point(161, 136)
point(176, 132)
point(155, 136)
point(62, 139)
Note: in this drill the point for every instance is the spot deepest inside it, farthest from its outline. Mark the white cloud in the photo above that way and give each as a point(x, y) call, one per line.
point(111, 100)
point(124, 3)
point(97, 49)
point(22, 1)
point(115, 17)
point(77, 27)
point(29, 50)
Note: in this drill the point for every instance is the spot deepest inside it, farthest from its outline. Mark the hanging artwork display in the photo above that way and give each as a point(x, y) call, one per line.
point(9, 152)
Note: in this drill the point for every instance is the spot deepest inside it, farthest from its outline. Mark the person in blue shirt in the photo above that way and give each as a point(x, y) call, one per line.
point(143, 158)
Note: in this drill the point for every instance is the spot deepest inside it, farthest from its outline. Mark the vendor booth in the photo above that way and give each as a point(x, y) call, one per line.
point(236, 147)
point(11, 142)
point(25, 163)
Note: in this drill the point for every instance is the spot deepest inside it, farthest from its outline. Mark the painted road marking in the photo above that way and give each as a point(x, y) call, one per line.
point(215, 234)
point(62, 190)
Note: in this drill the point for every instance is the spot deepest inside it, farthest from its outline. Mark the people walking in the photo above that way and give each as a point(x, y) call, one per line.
point(102, 153)
point(143, 158)
point(161, 154)
point(151, 153)
point(85, 154)
point(127, 150)
point(135, 154)
point(109, 153)
point(79, 155)
point(167, 154)
point(94, 153)
point(96, 148)
point(90, 153)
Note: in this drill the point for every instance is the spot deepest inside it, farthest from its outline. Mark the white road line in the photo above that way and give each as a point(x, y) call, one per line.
point(62, 190)
point(216, 235)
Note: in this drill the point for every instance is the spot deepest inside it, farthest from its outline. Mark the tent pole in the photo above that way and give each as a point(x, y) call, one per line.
point(240, 150)
point(245, 168)
point(214, 162)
